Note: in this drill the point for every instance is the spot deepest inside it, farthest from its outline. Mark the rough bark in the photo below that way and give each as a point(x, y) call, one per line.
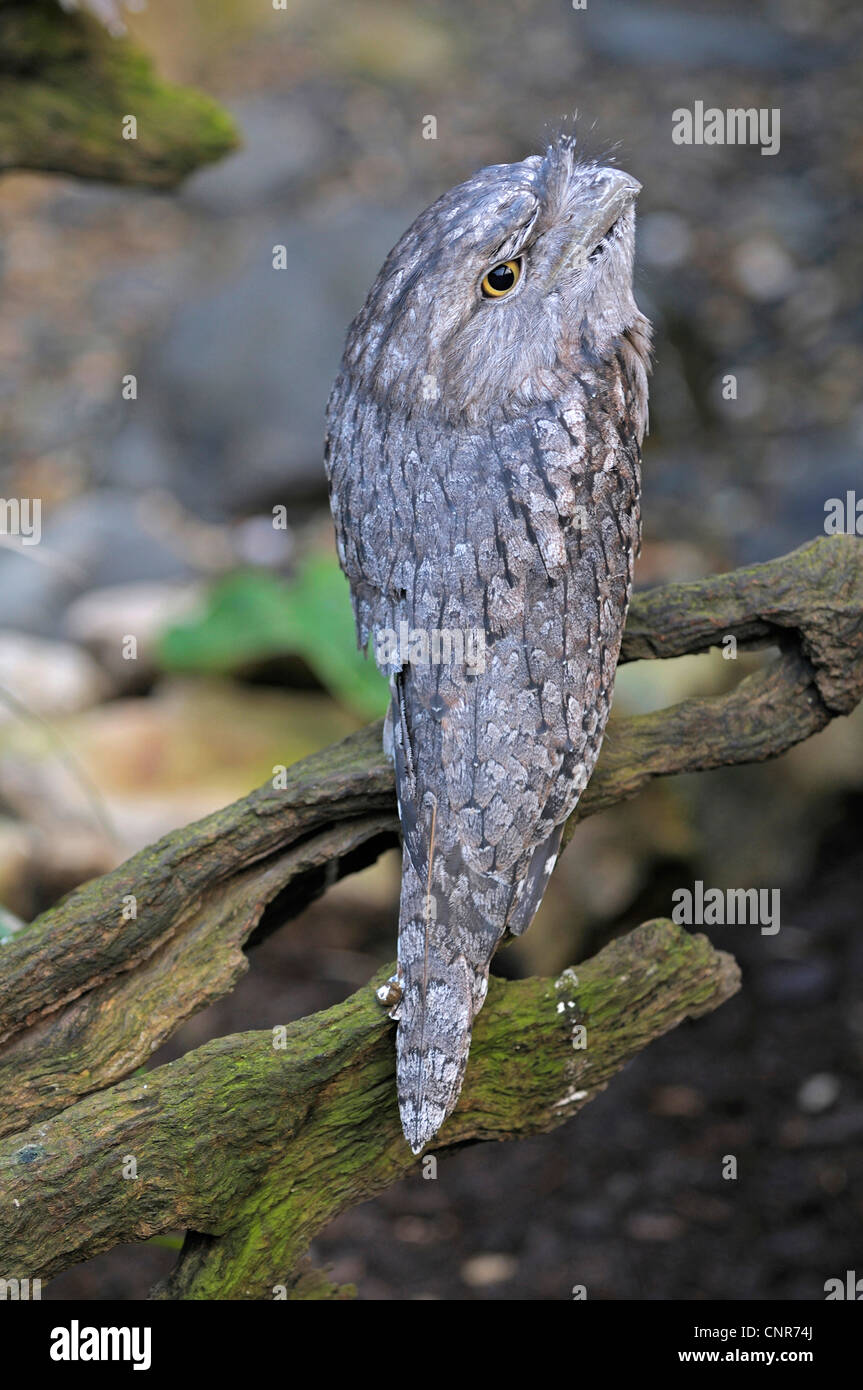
point(65, 87)
point(255, 1147)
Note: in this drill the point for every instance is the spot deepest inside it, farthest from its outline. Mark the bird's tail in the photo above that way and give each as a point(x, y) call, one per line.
point(447, 937)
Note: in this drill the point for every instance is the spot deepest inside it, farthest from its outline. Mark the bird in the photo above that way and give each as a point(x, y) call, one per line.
point(483, 453)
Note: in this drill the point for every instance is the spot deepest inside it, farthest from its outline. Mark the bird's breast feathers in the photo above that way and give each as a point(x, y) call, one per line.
point(490, 572)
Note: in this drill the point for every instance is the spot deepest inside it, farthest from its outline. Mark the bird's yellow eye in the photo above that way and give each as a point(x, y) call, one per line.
point(501, 279)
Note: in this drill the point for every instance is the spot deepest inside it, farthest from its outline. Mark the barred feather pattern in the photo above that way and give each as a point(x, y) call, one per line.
point(513, 511)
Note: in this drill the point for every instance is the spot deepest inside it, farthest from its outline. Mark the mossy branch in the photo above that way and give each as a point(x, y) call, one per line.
point(96, 984)
point(65, 88)
point(255, 1147)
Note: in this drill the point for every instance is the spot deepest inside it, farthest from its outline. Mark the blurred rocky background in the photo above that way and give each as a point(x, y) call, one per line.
point(157, 525)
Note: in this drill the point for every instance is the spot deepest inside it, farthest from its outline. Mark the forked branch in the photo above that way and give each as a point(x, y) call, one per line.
point(253, 1148)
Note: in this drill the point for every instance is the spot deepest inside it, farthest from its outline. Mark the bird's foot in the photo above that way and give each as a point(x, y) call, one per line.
point(390, 995)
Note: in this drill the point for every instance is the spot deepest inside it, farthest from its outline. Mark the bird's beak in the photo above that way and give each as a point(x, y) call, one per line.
point(598, 208)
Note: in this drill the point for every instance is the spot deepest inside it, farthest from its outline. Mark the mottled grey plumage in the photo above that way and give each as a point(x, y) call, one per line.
point(483, 457)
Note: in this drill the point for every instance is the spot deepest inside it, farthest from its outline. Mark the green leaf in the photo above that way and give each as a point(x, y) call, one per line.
point(252, 616)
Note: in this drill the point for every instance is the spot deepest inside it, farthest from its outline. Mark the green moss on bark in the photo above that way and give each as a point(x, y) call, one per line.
point(65, 88)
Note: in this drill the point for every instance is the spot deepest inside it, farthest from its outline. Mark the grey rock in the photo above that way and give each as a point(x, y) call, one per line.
point(97, 540)
point(628, 33)
point(282, 142)
point(231, 412)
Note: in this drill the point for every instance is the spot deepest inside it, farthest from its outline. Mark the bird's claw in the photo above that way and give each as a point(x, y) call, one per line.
point(390, 995)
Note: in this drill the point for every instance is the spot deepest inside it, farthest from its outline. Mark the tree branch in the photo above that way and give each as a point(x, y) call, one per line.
point(96, 984)
point(240, 1136)
point(88, 992)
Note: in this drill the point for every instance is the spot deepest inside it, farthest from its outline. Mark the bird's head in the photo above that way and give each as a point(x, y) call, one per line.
point(502, 290)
